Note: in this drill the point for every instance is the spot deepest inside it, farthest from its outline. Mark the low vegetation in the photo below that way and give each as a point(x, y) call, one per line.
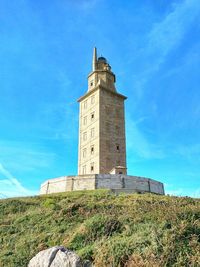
point(124, 230)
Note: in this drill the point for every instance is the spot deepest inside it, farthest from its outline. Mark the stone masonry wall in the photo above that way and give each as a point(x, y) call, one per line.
point(110, 181)
point(120, 181)
point(112, 131)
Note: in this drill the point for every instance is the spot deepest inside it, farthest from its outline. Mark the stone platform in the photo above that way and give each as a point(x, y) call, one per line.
point(116, 182)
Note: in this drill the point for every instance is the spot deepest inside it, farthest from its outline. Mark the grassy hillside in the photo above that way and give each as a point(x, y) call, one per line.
point(124, 230)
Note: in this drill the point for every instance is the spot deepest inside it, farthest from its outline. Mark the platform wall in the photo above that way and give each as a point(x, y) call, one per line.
point(108, 181)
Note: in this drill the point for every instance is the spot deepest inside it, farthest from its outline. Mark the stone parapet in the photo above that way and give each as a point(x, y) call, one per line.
point(114, 182)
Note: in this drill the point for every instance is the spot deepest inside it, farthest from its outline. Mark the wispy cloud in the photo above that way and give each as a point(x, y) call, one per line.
point(60, 114)
point(10, 186)
point(32, 155)
point(168, 33)
point(137, 141)
point(164, 36)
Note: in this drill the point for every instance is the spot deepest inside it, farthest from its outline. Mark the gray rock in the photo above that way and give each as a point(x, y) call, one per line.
point(56, 257)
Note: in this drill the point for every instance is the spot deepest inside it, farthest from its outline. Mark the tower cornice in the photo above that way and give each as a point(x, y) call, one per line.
point(100, 87)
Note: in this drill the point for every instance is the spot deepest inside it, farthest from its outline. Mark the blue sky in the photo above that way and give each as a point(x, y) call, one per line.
point(45, 57)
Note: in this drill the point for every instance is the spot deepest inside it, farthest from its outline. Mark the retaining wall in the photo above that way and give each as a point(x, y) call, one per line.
point(119, 182)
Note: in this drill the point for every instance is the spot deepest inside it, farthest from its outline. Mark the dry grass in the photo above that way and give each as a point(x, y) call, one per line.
point(125, 230)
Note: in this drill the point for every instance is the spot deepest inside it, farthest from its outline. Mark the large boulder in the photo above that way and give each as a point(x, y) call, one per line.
point(57, 257)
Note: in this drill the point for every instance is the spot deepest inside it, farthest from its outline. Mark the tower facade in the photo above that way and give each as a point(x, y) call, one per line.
point(102, 146)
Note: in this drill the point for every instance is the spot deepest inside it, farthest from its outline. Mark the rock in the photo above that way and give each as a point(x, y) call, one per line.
point(56, 257)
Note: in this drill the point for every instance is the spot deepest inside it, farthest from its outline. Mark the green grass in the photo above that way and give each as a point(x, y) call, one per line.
point(125, 230)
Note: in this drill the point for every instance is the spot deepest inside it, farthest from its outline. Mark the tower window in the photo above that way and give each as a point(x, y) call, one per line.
point(84, 136)
point(117, 147)
point(85, 120)
point(92, 132)
point(84, 152)
point(92, 150)
point(92, 167)
point(92, 99)
point(92, 116)
point(84, 169)
point(91, 83)
point(85, 104)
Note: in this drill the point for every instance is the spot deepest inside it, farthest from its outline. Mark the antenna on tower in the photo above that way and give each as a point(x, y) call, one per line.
point(94, 61)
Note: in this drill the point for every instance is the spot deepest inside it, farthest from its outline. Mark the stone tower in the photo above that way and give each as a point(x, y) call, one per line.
point(102, 146)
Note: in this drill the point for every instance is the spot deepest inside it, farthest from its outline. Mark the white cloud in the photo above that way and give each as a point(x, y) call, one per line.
point(32, 155)
point(11, 187)
point(137, 141)
point(169, 32)
point(164, 37)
